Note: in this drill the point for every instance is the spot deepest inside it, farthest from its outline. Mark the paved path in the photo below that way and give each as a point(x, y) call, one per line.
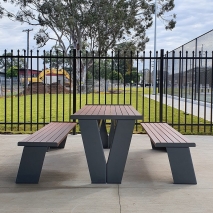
point(147, 185)
point(205, 112)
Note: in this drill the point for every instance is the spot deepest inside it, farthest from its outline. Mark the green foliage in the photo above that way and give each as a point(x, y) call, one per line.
point(102, 24)
point(9, 60)
point(116, 76)
point(100, 68)
point(12, 72)
point(132, 77)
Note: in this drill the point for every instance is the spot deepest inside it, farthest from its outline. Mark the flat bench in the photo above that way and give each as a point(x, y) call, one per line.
point(52, 135)
point(163, 136)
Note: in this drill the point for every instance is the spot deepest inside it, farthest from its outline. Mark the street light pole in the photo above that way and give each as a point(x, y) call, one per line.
point(154, 71)
point(26, 80)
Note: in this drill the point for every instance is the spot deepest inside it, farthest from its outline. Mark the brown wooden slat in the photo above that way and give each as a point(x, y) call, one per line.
point(90, 110)
point(171, 133)
point(55, 136)
point(118, 110)
point(156, 137)
point(164, 134)
point(95, 110)
point(34, 135)
point(123, 110)
point(46, 134)
point(53, 133)
point(177, 133)
point(129, 110)
point(40, 132)
point(102, 110)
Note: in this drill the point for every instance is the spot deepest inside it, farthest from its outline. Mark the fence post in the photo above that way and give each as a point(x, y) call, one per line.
point(161, 85)
point(74, 86)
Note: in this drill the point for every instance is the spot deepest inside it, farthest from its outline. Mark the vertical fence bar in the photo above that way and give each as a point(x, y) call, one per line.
point(161, 85)
point(25, 89)
point(124, 64)
point(205, 70)
point(180, 85)
point(87, 83)
point(144, 74)
point(173, 83)
point(31, 90)
point(154, 85)
point(11, 90)
point(93, 77)
point(186, 88)
point(99, 78)
point(211, 94)
point(74, 86)
point(70, 83)
point(44, 89)
point(38, 86)
point(166, 86)
point(80, 81)
point(18, 106)
point(64, 79)
point(198, 89)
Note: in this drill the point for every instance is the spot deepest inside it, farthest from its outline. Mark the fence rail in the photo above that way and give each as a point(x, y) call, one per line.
point(52, 87)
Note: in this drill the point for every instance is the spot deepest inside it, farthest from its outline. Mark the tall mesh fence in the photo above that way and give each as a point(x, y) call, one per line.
point(189, 69)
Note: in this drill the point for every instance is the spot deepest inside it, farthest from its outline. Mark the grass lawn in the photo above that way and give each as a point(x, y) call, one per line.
point(42, 109)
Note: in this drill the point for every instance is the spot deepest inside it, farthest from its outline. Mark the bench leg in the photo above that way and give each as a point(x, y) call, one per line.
point(181, 165)
point(119, 150)
point(104, 135)
point(31, 164)
point(94, 150)
point(158, 148)
point(112, 132)
point(62, 144)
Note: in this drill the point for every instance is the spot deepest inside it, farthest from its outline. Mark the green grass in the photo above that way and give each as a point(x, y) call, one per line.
point(51, 107)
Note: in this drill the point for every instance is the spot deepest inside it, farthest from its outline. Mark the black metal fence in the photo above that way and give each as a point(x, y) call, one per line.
point(40, 88)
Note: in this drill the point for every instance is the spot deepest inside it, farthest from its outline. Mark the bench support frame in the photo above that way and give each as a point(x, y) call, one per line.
point(31, 164)
point(181, 165)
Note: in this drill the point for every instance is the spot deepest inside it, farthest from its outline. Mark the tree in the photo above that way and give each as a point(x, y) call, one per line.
point(115, 76)
point(132, 77)
point(101, 23)
point(12, 72)
point(7, 60)
point(101, 68)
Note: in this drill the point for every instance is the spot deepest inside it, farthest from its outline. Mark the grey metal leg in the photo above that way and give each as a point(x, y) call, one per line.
point(104, 135)
point(62, 144)
point(119, 150)
point(112, 132)
point(158, 148)
point(31, 164)
point(94, 150)
point(181, 165)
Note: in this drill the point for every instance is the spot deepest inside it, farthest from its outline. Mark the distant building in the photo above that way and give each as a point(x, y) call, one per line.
point(31, 73)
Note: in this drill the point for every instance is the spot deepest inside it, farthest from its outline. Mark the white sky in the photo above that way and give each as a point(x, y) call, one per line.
point(194, 18)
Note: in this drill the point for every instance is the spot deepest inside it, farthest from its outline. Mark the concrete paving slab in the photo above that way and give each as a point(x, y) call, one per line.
point(147, 184)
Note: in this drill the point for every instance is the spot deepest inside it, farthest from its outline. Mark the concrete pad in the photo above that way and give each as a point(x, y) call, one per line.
point(147, 184)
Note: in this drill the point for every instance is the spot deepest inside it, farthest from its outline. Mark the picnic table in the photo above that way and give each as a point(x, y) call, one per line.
point(92, 121)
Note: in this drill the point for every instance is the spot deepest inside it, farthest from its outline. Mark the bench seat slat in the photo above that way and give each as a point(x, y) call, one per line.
point(170, 135)
point(46, 135)
point(156, 137)
point(163, 135)
point(50, 135)
point(58, 131)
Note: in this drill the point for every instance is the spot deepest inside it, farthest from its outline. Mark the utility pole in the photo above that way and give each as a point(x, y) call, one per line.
point(154, 72)
point(26, 70)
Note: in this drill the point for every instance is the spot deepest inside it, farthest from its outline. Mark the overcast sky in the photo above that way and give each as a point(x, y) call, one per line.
point(194, 18)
